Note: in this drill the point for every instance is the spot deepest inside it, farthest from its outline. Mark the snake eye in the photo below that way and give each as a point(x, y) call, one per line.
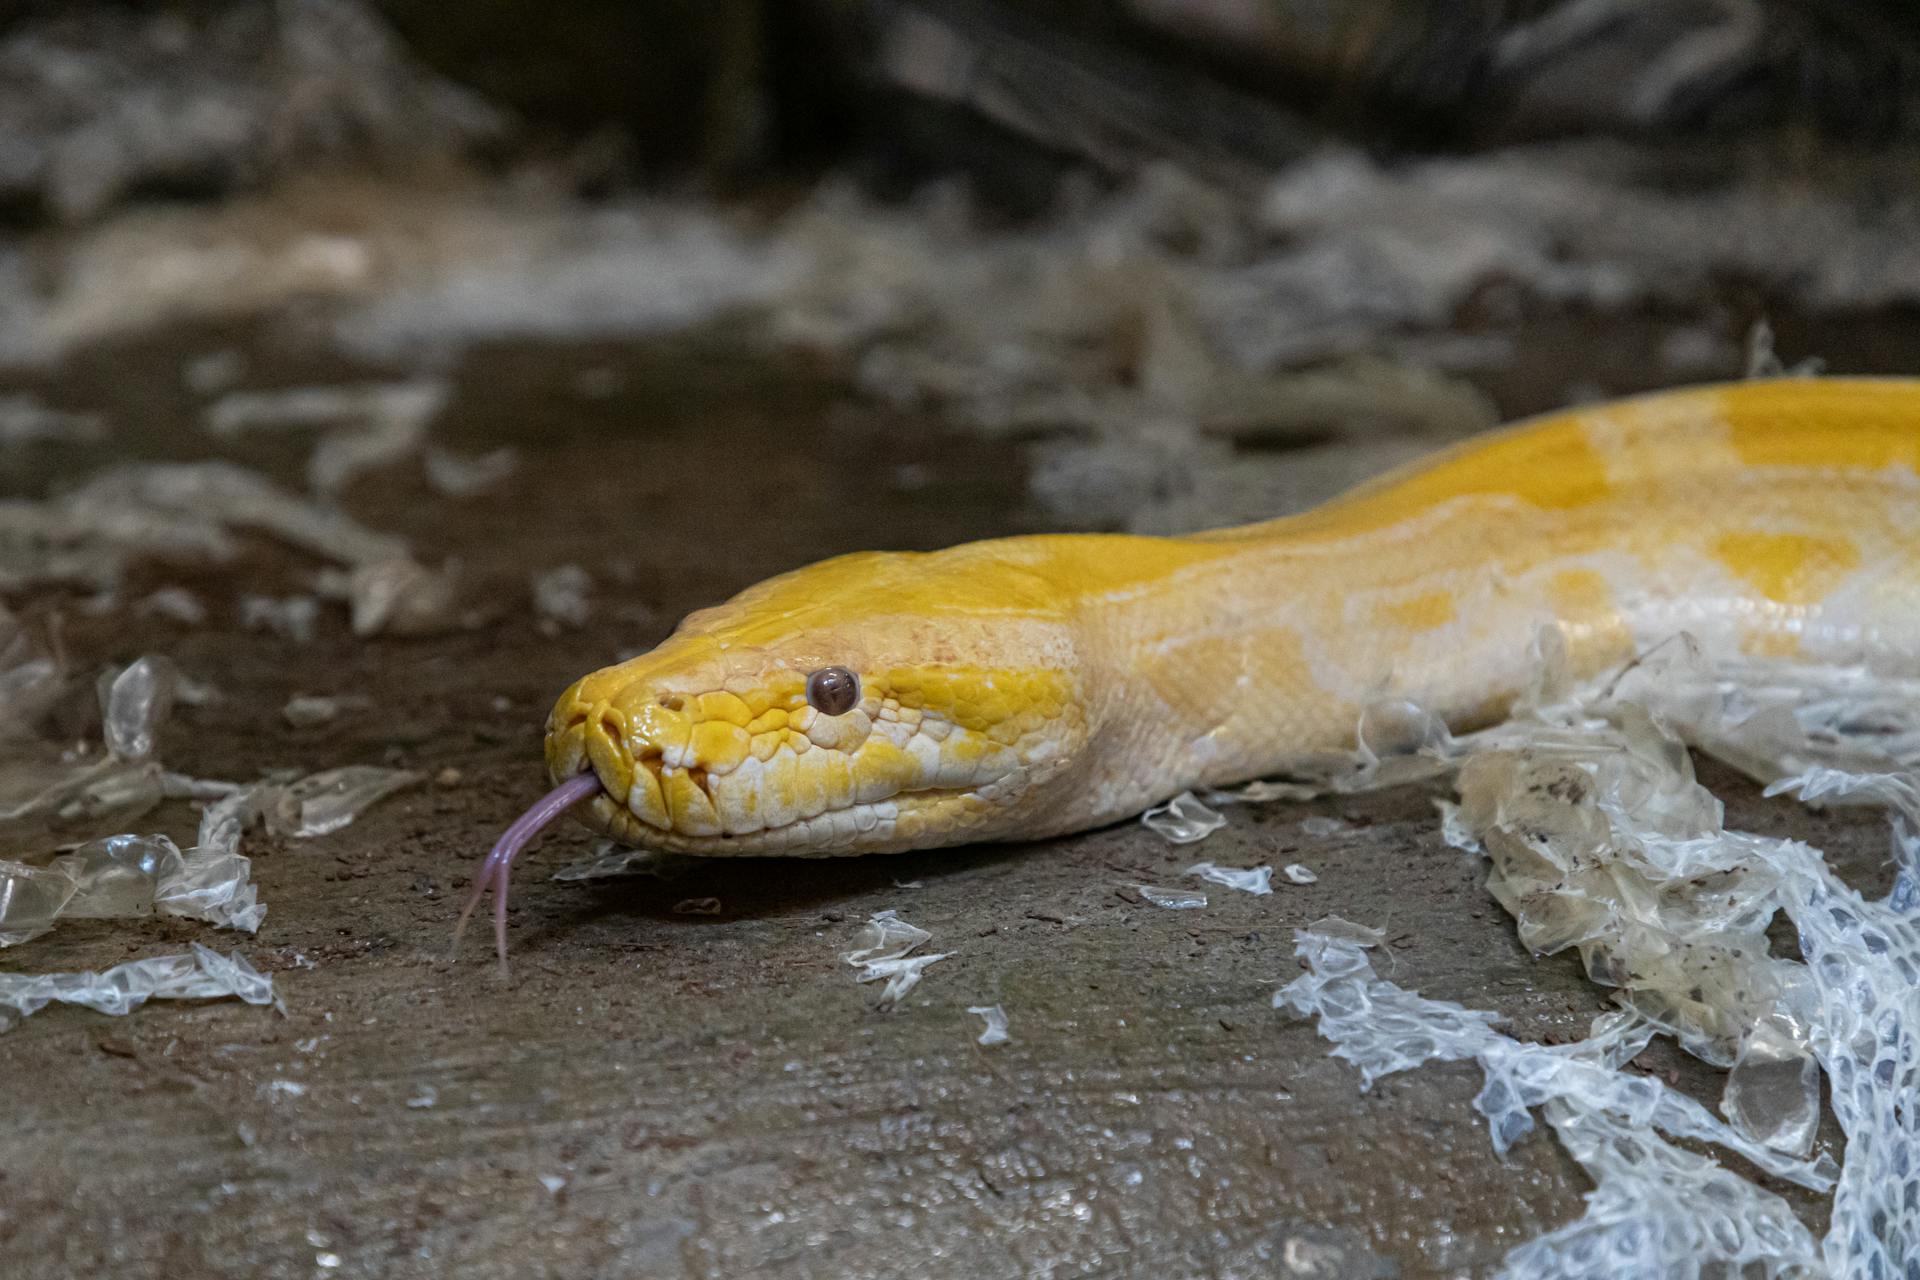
point(833, 691)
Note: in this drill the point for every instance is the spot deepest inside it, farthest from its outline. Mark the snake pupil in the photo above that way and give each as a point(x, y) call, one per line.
point(833, 691)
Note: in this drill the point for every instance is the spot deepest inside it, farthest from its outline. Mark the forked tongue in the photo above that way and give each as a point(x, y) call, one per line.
point(495, 871)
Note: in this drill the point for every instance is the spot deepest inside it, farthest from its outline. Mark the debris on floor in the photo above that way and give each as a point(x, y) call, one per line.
point(87, 791)
point(25, 420)
point(106, 104)
point(1255, 880)
point(885, 949)
point(560, 598)
point(610, 859)
point(188, 512)
point(305, 710)
point(292, 618)
point(176, 604)
point(1656, 1209)
point(1184, 819)
point(321, 803)
point(1598, 837)
point(1263, 791)
point(995, 1018)
point(203, 974)
point(31, 679)
point(170, 511)
point(1172, 899)
point(131, 875)
point(398, 596)
point(455, 475)
point(362, 427)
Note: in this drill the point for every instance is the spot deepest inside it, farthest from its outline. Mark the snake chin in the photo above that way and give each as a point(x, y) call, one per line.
point(889, 826)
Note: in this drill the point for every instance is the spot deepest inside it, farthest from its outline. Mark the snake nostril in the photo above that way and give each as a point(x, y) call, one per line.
point(673, 702)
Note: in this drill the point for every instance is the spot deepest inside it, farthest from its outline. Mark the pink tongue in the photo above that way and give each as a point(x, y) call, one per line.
point(499, 863)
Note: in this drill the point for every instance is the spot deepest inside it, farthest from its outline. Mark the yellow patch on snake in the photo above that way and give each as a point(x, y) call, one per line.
point(719, 745)
point(1778, 424)
point(1788, 568)
point(975, 698)
point(1551, 465)
point(1423, 612)
point(723, 706)
point(1590, 622)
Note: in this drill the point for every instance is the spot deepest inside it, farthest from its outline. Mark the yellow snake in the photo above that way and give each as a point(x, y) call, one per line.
point(1029, 686)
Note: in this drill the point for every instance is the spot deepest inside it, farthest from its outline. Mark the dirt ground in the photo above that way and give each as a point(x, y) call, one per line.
point(661, 1094)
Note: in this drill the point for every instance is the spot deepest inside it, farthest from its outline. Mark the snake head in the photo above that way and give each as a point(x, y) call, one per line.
point(874, 703)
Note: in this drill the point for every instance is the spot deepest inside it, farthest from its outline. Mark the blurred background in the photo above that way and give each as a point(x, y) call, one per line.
point(1201, 258)
point(385, 365)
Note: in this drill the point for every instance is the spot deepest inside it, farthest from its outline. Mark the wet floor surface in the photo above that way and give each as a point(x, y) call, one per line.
point(662, 1094)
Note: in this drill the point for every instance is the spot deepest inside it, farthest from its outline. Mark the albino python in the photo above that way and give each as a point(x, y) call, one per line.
point(1029, 686)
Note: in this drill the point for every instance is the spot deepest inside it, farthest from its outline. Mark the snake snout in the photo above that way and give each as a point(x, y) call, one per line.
point(608, 751)
point(590, 733)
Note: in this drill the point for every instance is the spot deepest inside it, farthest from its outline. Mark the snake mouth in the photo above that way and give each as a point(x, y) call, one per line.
point(654, 795)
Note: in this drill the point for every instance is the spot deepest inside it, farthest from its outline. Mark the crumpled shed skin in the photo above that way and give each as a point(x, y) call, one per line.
point(1599, 837)
point(1656, 1208)
point(203, 974)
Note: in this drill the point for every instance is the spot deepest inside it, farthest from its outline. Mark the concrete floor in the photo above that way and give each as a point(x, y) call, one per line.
point(657, 1094)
